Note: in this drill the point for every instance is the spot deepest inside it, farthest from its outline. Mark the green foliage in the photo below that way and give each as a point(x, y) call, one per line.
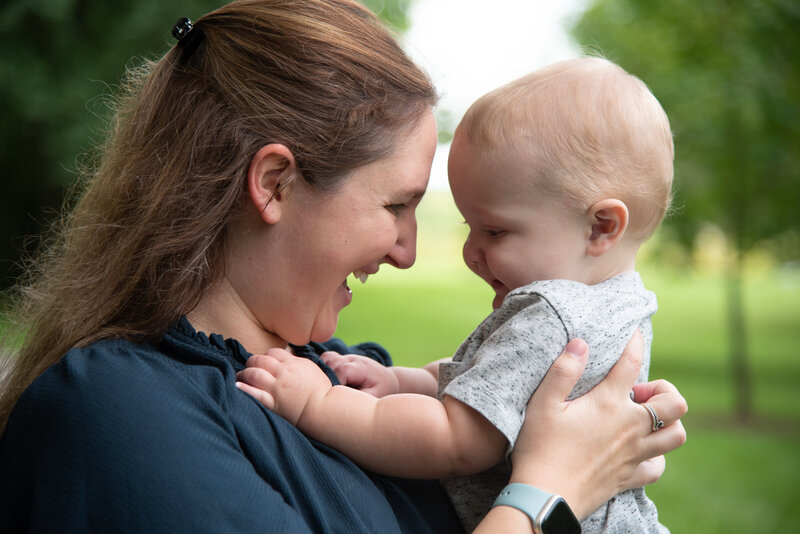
point(393, 12)
point(60, 61)
point(728, 77)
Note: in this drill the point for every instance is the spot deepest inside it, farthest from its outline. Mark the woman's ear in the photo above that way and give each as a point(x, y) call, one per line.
point(269, 178)
point(609, 220)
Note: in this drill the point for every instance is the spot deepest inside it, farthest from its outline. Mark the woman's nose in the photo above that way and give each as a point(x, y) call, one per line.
point(404, 252)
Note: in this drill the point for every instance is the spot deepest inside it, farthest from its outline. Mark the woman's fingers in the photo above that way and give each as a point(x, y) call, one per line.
point(625, 372)
point(565, 371)
point(604, 432)
point(665, 403)
point(668, 408)
point(643, 392)
point(647, 472)
point(663, 441)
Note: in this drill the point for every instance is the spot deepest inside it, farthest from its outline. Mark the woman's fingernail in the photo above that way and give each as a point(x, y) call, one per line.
point(576, 347)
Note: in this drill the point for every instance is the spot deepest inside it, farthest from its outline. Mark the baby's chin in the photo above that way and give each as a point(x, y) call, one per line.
point(500, 292)
point(498, 299)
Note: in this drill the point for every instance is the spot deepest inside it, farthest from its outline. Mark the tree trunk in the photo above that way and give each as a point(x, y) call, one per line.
point(742, 382)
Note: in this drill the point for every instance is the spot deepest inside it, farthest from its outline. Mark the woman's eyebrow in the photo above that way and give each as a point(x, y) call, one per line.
point(415, 195)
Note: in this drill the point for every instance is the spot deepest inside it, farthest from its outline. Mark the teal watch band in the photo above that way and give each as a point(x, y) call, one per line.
point(549, 513)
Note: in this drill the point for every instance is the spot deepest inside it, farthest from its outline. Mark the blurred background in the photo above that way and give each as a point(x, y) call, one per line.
point(725, 265)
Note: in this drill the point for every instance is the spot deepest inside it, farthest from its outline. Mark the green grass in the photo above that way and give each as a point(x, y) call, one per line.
point(727, 479)
point(729, 476)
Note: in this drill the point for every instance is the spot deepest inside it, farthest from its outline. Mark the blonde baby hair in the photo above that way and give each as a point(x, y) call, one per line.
point(582, 130)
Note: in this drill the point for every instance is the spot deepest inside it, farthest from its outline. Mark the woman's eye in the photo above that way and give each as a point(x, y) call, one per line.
point(396, 208)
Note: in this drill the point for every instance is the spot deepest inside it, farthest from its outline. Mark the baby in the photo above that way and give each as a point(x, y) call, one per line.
point(560, 176)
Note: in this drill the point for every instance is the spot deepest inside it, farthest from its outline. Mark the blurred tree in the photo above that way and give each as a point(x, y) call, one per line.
point(61, 60)
point(727, 74)
point(393, 12)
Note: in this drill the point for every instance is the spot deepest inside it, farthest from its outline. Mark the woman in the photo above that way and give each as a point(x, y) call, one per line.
point(277, 148)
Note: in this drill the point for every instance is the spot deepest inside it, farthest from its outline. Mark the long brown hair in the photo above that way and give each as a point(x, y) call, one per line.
point(146, 237)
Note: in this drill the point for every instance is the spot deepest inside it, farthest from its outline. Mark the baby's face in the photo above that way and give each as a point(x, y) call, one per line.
point(516, 236)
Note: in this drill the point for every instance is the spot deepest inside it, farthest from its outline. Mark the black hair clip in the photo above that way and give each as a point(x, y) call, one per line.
point(189, 37)
point(182, 28)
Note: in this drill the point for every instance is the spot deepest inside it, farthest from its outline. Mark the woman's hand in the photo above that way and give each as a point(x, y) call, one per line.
point(591, 448)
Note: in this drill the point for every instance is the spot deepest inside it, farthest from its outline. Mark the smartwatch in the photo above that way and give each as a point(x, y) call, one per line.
point(549, 513)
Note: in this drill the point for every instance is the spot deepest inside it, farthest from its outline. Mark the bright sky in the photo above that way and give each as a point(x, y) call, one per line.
point(469, 47)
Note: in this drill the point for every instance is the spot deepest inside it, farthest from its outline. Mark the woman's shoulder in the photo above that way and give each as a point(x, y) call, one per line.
point(96, 385)
point(119, 386)
point(103, 361)
point(119, 428)
point(115, 362)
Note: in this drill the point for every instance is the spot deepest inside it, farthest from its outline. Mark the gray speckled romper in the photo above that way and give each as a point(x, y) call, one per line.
point(499, 366)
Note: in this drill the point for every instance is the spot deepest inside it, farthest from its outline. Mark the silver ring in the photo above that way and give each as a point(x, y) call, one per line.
point(657, 423)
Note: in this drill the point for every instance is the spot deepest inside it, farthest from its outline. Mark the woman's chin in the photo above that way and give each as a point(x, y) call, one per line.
point(325, 325)
point(323, 330)
point(343, 297)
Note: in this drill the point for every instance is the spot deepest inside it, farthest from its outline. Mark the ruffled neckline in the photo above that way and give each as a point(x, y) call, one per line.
point(184, 336)
point(184, 333)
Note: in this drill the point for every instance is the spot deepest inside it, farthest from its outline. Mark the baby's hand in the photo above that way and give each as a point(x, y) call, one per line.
point(362, 373)
point(283, 383)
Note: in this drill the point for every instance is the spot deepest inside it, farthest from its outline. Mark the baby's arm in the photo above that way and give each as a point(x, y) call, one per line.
point(405, 435)
point(365, 374)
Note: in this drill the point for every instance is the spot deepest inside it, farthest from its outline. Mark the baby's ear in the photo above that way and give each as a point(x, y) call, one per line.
point(609, 220)
point(269, 179)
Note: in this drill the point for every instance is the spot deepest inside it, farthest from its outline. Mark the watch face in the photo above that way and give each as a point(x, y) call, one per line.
point(561, 520)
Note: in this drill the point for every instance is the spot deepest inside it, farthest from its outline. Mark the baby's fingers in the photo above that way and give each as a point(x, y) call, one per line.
point(330, 357)
point(267, 400)
point(258, 377)
point(268, 362)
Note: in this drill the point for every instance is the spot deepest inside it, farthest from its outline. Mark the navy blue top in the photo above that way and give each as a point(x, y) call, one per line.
point(137, 437)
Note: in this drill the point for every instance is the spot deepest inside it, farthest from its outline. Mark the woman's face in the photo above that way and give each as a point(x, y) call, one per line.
point(324, 237)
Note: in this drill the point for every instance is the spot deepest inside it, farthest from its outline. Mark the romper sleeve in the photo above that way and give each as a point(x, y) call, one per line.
point(501, 372)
